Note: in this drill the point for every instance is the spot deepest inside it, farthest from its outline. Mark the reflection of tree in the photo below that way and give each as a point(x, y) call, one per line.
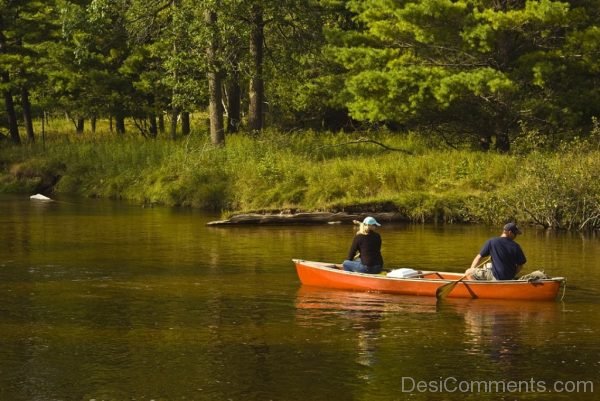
point(490, 330)
point(368, 328)
point(362, 314)
point(501, 328)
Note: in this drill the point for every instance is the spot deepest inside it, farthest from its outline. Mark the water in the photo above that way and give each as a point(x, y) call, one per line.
point(102, 300)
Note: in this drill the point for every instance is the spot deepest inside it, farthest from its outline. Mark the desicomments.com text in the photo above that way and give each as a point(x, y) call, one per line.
point(454, 385)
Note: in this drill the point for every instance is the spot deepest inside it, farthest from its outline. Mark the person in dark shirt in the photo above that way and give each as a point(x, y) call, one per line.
point(367, 244)
point(507, 257)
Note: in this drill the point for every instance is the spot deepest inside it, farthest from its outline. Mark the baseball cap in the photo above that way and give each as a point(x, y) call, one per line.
point(512, 227)
point(370, 221)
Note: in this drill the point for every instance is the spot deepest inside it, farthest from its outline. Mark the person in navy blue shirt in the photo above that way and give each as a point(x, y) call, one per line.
point(506, 255)
point(366, 244)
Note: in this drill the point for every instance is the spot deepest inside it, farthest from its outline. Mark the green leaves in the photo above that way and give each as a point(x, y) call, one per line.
point(392, 94)
point(503, 61)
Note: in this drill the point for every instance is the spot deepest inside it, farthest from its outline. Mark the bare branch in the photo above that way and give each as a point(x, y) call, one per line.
point(368, 140)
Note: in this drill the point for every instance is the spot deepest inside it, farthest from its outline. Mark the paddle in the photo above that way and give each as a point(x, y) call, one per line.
point(443, 291)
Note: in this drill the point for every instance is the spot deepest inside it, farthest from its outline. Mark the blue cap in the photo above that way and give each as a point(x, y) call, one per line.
point(512, 227)
point(370, 221)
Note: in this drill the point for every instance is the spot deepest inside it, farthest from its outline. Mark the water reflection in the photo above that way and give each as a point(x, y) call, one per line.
point(395, 337)
point(314, 301)
point(503, 330)
point(363, 312)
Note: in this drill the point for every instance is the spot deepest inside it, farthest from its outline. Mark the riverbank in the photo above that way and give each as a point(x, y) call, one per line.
point(314, 172)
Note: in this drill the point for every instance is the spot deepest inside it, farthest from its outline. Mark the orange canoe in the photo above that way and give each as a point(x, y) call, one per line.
point(329, 275)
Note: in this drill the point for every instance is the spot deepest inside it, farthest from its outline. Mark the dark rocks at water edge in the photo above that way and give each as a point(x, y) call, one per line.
point(305, 218)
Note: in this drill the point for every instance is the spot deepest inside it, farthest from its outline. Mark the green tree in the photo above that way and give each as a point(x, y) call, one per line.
point(26, 28)
point(256, 91)
point(5, 79)
point(305, 81)
point(149, 30)
point(168, 63)
point(85, 78)
point(214, 80)
point(475, 66)
point(284, 39)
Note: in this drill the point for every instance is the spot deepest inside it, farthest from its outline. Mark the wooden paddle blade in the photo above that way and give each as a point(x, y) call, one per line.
point(443, 291)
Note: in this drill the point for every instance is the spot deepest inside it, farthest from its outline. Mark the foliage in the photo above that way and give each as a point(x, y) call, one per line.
point(83, 75)
point(312, 171)
point(554, 190)
point(479, 66)
point(560, 192)
point(423, 81)
point(471, 70)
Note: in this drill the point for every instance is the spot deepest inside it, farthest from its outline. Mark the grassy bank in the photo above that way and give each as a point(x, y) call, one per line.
point(316, 171)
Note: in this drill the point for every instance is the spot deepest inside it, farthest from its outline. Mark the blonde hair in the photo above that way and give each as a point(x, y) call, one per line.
point(363, 229)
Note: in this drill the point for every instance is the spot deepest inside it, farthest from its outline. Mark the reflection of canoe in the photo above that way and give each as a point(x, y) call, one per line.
point(326, 299)
point(327, 275)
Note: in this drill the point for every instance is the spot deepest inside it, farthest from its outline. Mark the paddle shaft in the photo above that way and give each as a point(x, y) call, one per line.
point(446, 289)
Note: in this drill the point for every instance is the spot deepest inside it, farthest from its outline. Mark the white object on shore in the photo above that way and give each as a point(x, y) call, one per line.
point(39, 197)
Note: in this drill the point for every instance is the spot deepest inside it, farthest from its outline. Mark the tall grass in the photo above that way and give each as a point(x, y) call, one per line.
point(316, 171)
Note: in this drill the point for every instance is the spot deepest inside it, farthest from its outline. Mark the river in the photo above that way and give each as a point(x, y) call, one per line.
point(104, 300)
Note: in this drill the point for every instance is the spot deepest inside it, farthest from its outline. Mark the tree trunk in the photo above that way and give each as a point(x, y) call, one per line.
point(185, 123)
point(175, 54)
point(93, 122)
point(256, 91)
point(174, 116)
point(27, 117)
point(44, 120)
point(215, 105)
point(11, 115)
point(500, 129)
point(161, 123)
point(79, 125)
point(13, 127)
point(153, 126)
point(502, 142)
point(120, 124)
point(234, 101)
point(484, 142)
